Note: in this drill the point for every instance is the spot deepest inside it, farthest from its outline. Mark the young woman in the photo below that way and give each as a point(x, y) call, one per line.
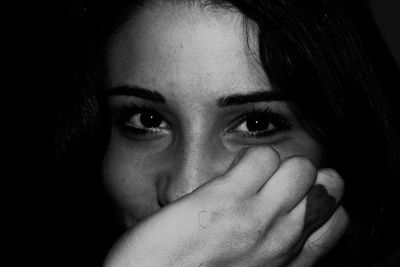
point(232, 127)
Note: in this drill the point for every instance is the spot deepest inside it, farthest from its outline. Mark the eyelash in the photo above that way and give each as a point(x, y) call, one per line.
point(133, 109)
point(278, 121)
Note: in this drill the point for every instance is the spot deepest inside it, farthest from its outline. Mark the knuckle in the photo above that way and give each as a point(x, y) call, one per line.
point(252, 228)
point(245, 230)
point(250, 221)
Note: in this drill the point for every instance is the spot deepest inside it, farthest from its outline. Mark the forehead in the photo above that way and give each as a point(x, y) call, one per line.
point(173, 47)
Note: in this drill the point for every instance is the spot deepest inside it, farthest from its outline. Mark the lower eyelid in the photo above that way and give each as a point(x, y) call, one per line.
point(137, 134)
point(262, 134)
point(155, 129)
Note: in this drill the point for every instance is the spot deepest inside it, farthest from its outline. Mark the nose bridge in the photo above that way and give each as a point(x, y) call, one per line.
point(196, 161)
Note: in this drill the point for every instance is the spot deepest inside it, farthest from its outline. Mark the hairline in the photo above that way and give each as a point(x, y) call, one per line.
point(215, 7)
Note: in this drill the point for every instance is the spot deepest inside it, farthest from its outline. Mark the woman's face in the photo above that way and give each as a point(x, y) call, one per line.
point(186, 94)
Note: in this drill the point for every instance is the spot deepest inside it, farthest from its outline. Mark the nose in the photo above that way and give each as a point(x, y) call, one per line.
point(192, 165)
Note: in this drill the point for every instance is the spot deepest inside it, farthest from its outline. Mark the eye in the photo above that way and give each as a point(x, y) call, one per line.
point(147, 120)
point(262, 123)
point(255, 123)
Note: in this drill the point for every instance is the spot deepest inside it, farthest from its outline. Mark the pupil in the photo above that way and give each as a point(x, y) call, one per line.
point(257, 124)
point(150, 120)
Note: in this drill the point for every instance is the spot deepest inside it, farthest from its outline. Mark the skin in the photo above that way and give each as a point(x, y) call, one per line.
point(194, 58)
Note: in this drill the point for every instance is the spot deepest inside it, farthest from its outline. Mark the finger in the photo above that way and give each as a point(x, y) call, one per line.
point(287, 231)
point(332, 181)
point(296, 226)
point(252, 168)
point(289, 185)
point(322, 199)
point(316, 208)
point(322, 240)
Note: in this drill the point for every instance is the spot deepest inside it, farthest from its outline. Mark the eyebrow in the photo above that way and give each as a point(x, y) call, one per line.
point(241, 99)
point(127, 90)
point(225, 101)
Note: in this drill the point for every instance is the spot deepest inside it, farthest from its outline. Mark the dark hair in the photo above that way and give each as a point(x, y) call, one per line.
point(329, 58)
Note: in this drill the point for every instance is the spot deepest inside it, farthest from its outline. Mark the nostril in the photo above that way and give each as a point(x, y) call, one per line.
point(161, 191)
point(161, 202)
point(187, 172)
point(172, 193)
point(176, 186)
point(171, 189)
point(163, 199)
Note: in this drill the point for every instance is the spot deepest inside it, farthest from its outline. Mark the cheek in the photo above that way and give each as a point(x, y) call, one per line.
point(130, 179)
point(302, 144)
